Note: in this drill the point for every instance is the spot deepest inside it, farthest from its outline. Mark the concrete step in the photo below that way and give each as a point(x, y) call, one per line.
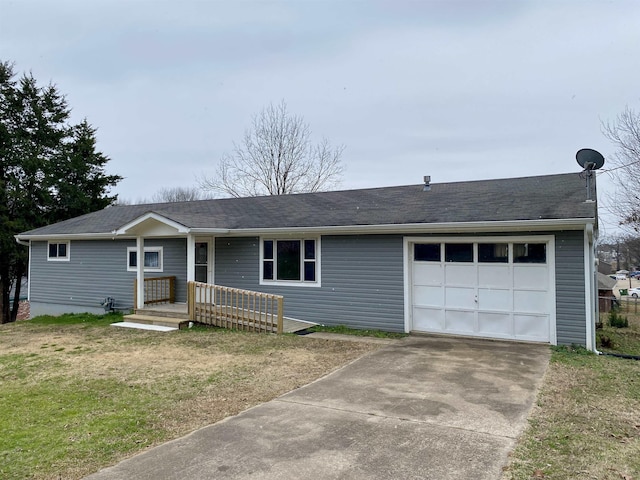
point(144, 326)
point(157, 320)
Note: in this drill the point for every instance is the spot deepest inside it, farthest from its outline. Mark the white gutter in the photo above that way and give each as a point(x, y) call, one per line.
point(449, 227)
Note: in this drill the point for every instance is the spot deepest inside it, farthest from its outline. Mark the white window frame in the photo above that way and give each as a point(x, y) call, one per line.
point(160, 266)
point(290, 283)
point(59, 259)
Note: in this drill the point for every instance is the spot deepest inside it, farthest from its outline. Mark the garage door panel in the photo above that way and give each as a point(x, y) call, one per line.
point(461, 275)
point(428, 296)
point(495, 299)
point(427, 274)
point(531, 327)
point(498, 276)
point(462, 322)
point(428, 319)
point(495, 324)
point(530, 301)
point(534, 277)
point(460, 297)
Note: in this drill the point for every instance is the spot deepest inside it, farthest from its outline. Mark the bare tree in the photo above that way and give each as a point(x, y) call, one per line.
point(624, 167)
point(178, 194)
point(276, 157)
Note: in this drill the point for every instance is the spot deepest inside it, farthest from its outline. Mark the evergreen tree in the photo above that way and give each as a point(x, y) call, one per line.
point(49, 171)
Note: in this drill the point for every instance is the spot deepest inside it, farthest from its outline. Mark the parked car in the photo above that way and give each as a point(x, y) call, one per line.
point(634, 292)
point(634, 274)
point(621, 276)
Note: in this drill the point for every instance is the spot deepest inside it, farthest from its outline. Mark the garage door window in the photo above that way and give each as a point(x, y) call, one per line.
point(529, 253)
point(493, 252)
point(426, 252)
point(458, 252)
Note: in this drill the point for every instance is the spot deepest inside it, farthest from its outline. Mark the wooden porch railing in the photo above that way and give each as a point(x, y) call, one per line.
point(235, 308)
point(156, 290)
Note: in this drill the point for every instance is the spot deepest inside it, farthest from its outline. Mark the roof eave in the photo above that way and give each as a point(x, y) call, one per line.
point(450, 227)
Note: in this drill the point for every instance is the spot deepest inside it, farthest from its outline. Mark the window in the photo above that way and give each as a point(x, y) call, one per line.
point(493, 252)
point(426, 252)
point(290, 261)
point(58, 252)
point(152, 259)
point(458, 252)
point(529, 253)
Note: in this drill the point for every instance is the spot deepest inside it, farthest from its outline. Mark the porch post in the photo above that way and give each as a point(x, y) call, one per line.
point(191, 257)
point(140, 271)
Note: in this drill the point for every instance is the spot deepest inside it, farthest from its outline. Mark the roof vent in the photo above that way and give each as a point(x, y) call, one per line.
point(427, 186)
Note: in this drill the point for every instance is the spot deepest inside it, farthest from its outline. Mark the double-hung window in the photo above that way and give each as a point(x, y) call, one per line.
point(152, 259)
point(289, 261)
point(58, 252)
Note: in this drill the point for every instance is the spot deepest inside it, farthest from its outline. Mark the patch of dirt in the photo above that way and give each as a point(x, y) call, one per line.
point(222, 373)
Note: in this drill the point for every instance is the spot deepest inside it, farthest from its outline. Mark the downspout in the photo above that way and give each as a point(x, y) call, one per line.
point(590, 295)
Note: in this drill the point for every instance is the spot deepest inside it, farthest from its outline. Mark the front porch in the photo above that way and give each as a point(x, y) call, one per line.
point(213, 305)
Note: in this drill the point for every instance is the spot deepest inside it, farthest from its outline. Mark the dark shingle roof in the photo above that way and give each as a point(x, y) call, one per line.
point(529, 198)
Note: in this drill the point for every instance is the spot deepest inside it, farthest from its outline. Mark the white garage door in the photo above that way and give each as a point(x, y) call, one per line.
point(497, 288)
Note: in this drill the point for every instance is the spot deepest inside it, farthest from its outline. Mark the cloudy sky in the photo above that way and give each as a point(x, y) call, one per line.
point(459, 90)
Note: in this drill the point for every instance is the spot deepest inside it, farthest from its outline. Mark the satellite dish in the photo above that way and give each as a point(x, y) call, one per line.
point(589, 159)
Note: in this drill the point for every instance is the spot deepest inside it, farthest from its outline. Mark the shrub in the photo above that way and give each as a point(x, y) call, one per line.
point(618, 321)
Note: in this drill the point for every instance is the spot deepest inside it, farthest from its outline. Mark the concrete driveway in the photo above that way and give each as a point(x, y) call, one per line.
point(423, 407)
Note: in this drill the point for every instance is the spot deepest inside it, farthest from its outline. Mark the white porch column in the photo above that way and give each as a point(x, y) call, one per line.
point(140, 271)
point(191, 257)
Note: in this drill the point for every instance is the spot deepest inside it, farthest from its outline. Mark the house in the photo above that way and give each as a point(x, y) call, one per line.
point(606, 297)
point(509, 259)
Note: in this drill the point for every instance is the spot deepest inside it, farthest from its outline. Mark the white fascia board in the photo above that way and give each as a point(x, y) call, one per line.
point(453, 227)
point(69, 236)
point(123, 230)
point(404, 228)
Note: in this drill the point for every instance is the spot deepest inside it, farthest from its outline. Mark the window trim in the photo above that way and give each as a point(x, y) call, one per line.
point(291, 283)
point(160, 251)
point(66, 258)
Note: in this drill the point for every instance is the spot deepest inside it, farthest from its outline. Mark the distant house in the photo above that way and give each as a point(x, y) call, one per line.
point(606, 297)
point(605, 268)
point(510, 259)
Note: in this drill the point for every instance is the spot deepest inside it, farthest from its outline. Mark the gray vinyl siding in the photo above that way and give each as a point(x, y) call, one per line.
point(361, 277)
point(570, 288)
point(97, 269)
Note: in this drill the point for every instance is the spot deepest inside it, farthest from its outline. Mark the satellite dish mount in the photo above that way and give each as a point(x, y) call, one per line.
point(589, 160)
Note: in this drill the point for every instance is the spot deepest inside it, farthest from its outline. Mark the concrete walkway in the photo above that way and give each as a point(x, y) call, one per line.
point(421, 408)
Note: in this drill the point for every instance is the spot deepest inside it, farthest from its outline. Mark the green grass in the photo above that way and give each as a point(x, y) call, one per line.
point(342, 329)
point(586, 423)
point(78, 395)
point(87, 319)
point(58, 420)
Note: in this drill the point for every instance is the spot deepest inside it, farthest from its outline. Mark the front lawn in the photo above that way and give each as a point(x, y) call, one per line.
point(586, 423)
point(78, 395)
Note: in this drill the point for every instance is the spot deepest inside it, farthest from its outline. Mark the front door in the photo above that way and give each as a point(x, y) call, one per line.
point(202, 262)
